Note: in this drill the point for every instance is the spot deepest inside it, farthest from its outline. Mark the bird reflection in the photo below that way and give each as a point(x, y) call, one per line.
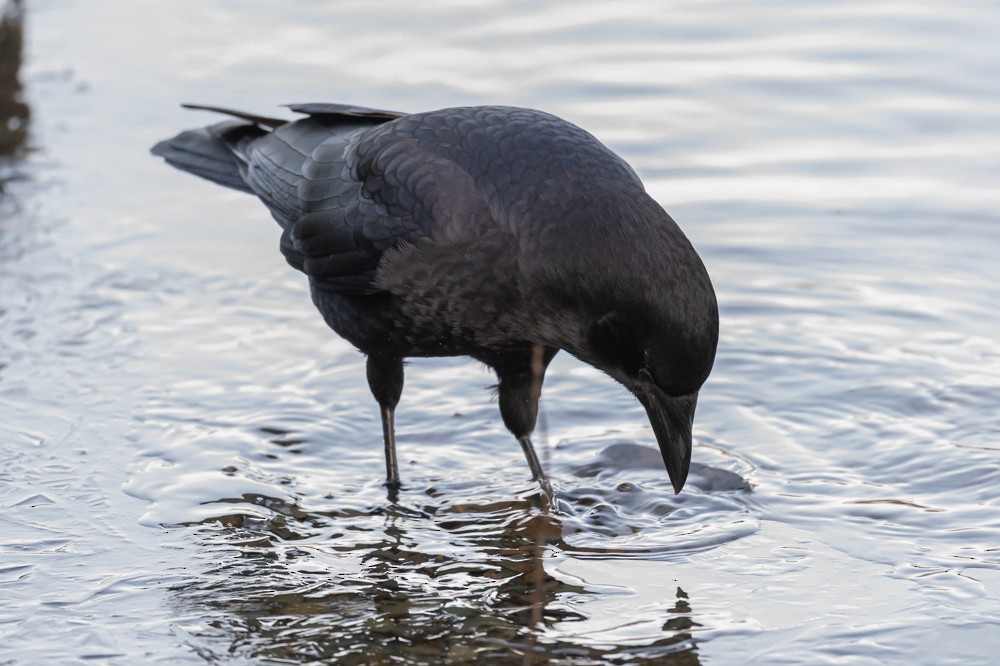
point(450, 582)
point(14, 112)
point(679, 625)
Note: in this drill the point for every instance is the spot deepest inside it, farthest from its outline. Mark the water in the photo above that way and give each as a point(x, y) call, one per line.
point(192, 461)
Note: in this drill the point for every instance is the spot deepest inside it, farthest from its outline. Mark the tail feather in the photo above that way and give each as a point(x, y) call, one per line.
point(213, 153)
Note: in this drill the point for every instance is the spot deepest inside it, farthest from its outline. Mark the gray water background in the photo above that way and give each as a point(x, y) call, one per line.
point(191, 461)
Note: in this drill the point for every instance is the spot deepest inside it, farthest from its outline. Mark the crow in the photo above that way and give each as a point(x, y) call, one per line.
point(500, 233)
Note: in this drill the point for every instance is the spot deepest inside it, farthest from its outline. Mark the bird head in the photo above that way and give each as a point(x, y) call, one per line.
point(663, 361)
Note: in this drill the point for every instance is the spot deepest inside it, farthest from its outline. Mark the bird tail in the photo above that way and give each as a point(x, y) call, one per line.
point(216, 153)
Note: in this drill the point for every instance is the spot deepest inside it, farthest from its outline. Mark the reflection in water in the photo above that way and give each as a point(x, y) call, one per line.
point(446, 582)
point(14, 112)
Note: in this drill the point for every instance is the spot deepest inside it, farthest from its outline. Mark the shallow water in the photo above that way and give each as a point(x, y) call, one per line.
point(192, 461)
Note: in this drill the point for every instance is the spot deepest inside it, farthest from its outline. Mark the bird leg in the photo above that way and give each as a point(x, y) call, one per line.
point(529, 452)
point(389, 436)
point(521, 374)
point(385, 379)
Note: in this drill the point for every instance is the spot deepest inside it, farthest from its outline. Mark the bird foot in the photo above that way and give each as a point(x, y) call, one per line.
point(392, 491)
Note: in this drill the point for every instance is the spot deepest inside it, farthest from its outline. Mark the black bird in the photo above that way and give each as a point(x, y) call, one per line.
point(500, 233)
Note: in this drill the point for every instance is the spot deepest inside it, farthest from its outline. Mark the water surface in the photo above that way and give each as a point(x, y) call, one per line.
point(192, 460)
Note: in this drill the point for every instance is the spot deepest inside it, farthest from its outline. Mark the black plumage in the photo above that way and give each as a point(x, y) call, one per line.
point(501, 233)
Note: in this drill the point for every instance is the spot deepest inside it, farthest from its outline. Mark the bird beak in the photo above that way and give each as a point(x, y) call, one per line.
point(671, 418)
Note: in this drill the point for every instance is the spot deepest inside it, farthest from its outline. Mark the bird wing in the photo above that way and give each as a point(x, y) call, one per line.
point(299, 171)
point(360, 191)
point(345, 185)
point(348, 184)
point(344, 110)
